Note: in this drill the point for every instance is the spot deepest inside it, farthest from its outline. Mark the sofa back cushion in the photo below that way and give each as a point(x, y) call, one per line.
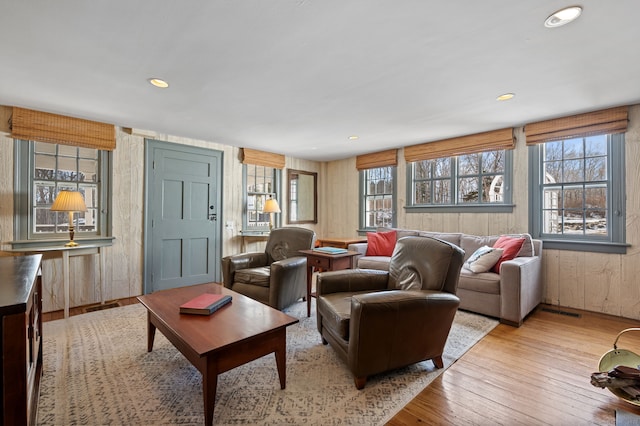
point(450, 237)
point(471, 243)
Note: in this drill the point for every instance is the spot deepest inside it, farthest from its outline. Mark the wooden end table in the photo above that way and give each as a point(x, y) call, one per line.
point(326, 262)
point(241, 331)
point(340, 242)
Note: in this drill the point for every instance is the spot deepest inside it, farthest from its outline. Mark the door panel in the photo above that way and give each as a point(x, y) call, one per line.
point(183, 208)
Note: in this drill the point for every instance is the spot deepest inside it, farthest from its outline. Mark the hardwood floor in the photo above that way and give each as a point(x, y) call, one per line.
point(54, 315)
point(538, 374)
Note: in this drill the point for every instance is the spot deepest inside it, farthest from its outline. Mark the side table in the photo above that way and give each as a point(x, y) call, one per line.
point(340, 242)
point(327, 262)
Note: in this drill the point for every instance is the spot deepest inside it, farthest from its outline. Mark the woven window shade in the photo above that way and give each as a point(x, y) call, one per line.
point(487, 141)
point(377, 159)
point(613, 120)
point(261, 158)
point(45, 127)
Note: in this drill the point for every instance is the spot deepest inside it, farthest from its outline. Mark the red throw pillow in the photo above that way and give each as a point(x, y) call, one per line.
point(511, 247)
point(381, 243)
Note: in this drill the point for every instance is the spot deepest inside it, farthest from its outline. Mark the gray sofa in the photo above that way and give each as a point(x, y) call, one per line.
point(509, 296)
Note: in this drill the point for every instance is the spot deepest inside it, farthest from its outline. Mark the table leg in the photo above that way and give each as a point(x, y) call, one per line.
point(103, 289)
point(209, 385)
point(281, 358)
point(309, 278)
point(65, 280)
point(151, 333)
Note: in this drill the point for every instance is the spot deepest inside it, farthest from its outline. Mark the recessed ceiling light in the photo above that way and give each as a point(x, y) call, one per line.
point(563, 16)
point(158, 82)
point(505, 97)
point(353, 137)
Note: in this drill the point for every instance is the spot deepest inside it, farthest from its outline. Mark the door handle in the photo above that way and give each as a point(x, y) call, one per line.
point(213, 217)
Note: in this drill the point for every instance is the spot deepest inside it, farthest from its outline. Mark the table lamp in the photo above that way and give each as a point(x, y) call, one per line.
point(271, 206)
point(69, 201)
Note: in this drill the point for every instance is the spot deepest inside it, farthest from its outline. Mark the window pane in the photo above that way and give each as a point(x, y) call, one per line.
point(442, 192)
point(492, 191)
point(467, 190)
point(573, 148)
point(469, 164)
point(423, 193)
point(596, 145)
point(422, 170)
point(493, 162)
point(67, 169)
point(442, 168)
point(41, 147)
point(44, 193)
point(596, 169)
point(573, 171)
point(553, 172)
point(67, 151)
point(89, 153)
point(88, 171)
point(552, 151)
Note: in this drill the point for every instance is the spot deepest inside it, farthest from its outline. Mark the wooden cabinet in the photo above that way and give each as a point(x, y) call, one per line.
point(20, 338)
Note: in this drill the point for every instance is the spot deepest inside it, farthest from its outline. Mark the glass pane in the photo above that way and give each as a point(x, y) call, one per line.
point(44, 167)
point(469, 164)
point(596, 145)
point(573, 198)
point(423, 193)
point(573, 222)
point(596, 221)
point(90, 194)
point(596, 198)
point(553, 172)
point(552, 151)
point(43, 193)
point(551, 198)
point(44, 220)
point(551, 222)
point(88, 153)
point(422, 169)
point(468, 190)
point(492, 188)
point(88, 171)
point(67, 169)
point(573, 148)
point(493, 162)
point(41, 147)
point(442, 168)
point(596, 169)
point(67, 151)
point(442, 192)
point(573, 171)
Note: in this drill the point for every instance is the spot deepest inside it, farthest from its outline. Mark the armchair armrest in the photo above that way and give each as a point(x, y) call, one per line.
point(520, 288)
point(233, 263)
point(400, 327)
point(351, 280)
point(286, 275)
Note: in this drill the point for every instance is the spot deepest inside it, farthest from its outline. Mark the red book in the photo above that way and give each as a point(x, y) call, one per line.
point(205, 304)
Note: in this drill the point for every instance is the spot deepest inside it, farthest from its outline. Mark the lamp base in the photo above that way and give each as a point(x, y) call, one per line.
point(71, 244)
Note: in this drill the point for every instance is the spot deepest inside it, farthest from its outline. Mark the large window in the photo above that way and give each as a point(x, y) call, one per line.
point(471, 180)
point(377, 197)
point(261, 184)
point(578, 192)
point(45, 169)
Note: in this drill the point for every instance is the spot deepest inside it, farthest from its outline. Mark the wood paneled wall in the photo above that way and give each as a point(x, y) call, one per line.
point(597, 282)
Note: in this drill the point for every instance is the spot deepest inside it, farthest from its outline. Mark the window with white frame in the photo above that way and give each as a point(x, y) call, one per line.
point(578, 191)
point(45, 170)
point(377, 197)
point(476, 179)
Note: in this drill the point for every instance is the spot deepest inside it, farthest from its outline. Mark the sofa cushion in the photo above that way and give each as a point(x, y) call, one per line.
point(471, 243)
point(381, 243)
point(400, 233)
point(374, 262)
point(256, 276)
point(485, 282)
point(511, 247)
point(450, 237)
point(483, 259)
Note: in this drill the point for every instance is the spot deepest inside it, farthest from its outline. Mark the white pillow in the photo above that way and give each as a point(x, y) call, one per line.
point(483, 259)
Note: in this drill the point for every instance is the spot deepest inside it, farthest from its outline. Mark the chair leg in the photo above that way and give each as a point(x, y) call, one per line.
point(437, 361)
point(360, 382)
point(324, 341)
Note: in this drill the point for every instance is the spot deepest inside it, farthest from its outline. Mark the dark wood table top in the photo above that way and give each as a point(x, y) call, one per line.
point(242, 319)
point(17, 274)
point(328, 255)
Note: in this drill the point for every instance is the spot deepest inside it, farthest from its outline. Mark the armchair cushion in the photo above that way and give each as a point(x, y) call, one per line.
point(255, 276)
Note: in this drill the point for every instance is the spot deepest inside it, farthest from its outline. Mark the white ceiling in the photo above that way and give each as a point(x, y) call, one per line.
point(298, 77)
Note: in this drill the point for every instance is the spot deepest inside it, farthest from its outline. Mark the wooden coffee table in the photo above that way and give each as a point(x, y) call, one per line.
point(242, 331)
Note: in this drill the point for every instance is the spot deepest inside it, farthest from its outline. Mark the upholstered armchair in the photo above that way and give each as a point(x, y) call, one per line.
point(382, 320)
point(277, 277)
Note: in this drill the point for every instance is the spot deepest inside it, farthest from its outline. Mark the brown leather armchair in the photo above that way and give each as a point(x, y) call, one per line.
point(277, 277)
point(379, 321)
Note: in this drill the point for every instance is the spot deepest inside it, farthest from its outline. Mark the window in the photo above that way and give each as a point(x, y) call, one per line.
point(578, 192)
point(478, 180)
point(377, 197)
point(44, 169)
point(261, 183)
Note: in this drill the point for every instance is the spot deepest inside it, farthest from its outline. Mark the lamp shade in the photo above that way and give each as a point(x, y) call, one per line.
point(271, 206)
point(69, 201)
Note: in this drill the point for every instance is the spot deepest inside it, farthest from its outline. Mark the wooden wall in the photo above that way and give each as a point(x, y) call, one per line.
point(598, 282)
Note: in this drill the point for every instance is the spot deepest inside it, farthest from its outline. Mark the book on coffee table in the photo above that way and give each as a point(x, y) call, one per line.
point(205, 304)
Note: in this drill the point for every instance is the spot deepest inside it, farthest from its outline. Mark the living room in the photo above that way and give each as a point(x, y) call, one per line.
point(603, 283)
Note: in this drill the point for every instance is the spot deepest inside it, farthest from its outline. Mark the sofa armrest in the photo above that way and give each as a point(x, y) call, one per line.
point(395, 328)
point(235, 262)
point(520, 288)
point(351, 280)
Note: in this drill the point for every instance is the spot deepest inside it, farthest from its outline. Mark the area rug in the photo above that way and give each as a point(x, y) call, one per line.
point(97, 371)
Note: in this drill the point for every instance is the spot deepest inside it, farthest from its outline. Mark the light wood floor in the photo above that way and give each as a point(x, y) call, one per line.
point(537, 374)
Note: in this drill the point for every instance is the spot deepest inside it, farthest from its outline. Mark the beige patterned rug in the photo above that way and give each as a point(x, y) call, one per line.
point(97, 372)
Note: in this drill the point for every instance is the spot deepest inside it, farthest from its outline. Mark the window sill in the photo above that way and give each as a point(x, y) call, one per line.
point(452, 208)
point(588, 246)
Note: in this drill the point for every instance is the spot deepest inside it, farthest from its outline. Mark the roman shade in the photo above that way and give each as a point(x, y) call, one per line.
point(261, 158)
point(40, 126)
point(377, 159)
point(612, 120)
point(479, 142)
